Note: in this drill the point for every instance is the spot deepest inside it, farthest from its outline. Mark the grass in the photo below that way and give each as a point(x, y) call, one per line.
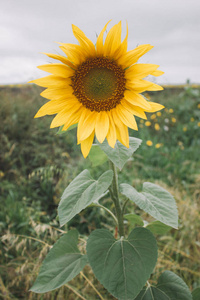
point(36, 165)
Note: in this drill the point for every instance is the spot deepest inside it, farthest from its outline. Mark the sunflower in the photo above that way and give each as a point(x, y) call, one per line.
point(98, 87)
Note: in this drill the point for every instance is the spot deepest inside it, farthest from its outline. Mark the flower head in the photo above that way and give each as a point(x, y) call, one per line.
point(157, 126)
point(98, 87)
point(173, 120)
point(157, 146)
point(149, 143)
point(148, 123)
point(153, 116)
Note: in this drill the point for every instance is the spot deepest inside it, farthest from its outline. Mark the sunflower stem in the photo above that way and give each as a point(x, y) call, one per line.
point(114, 193)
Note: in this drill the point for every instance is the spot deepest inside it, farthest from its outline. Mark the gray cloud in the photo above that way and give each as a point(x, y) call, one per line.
point(29, 27)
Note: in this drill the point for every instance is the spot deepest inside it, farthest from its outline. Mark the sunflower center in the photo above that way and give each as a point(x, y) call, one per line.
point(99, 84)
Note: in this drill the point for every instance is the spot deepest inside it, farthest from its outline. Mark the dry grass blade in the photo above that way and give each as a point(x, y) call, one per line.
point(32, 238)
point(75, 292)
point(91, 284)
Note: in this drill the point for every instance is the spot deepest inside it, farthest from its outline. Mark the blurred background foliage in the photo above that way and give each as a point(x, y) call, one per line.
point(36, 164)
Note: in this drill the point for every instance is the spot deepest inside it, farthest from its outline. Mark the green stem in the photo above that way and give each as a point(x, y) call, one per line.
point(123, 207)
point(114, 193)
point(106, 209)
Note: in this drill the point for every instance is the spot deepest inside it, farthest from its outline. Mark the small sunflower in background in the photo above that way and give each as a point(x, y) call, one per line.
point(98, 87)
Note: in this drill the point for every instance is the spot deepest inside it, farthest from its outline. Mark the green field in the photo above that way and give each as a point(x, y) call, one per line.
point(36, 164)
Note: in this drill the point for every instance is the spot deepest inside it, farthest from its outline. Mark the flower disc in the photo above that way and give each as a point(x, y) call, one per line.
point(99, 84)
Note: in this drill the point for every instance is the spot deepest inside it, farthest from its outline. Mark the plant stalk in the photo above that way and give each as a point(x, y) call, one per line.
point(114, 193)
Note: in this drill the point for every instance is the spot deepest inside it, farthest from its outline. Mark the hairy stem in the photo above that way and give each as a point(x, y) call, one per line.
point(114, 193)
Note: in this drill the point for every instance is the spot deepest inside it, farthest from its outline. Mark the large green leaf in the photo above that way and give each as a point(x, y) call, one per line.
point(154, 200)
point(122, 266)
point(120, 154)
point(97, 156)
point(196, 294)
point(81, 192)
point(62, 264)
point(169, 287)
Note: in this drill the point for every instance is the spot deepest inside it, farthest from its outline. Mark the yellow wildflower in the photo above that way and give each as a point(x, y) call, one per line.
point(149, 143)
point(147, 123)
point(153, 116)
point(158, 145)
point(171, 110)
point(173, 120)
point(157, 126)
point(159, 113)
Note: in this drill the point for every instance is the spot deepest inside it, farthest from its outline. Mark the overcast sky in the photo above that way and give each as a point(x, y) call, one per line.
point(29, 27)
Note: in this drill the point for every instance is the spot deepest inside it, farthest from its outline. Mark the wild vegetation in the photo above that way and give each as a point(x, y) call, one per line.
point(36, 164)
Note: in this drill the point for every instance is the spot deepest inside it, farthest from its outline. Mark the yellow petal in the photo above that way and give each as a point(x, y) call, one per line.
point(86, 124)
point(123, 47)
point(101, 126)
point(140, 71)
point(86, 145)
point(157, 73)
point(136, 110)
point(154, 107)
point(121, 129)
point(62, 117)
point(55, 94)
point(136, 99)
point(113, 39)
point(51, 107)
point(72, 119)
point(84, 114)
point(99, 43)
point(126, 117)
point(52, 81)
point(84, 41)
point(132, 56)
point(138, 85)
point(152, 86)
point(75, 53)
point(111, 136)
point(57, 69)
point(60, 58)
